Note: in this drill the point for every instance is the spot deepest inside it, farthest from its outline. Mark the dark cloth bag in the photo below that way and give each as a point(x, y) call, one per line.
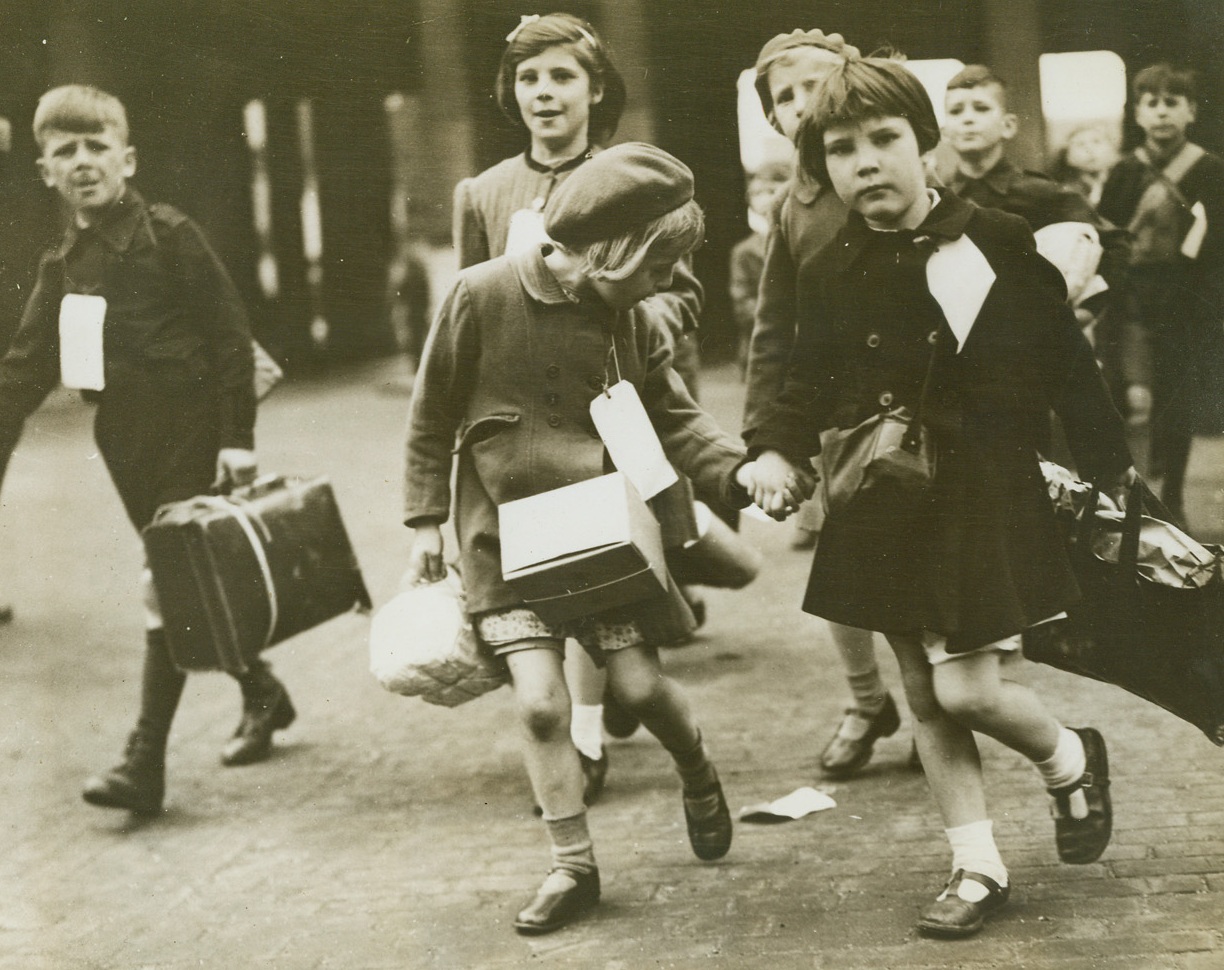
point(1162, 643)
point(891, 450)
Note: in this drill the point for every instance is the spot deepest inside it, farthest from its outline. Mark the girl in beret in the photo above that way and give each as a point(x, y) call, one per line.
point(520, 348)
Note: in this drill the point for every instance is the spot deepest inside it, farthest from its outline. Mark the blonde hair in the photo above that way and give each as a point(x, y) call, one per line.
point(674, 233)
point(79, 108)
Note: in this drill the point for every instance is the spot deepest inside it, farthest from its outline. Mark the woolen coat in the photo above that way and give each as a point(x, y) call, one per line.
point(977, 558)
point(508, 376)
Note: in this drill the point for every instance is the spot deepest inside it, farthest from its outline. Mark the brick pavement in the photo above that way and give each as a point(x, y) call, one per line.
point(389, 834)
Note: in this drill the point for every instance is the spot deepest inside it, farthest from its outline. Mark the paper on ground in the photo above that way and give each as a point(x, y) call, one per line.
point(800, 802)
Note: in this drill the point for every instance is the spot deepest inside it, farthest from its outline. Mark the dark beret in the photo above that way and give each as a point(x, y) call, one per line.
point(617, 191)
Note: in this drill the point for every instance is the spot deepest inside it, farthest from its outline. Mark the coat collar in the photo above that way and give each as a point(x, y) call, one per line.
point(116, 228)
point(585, 155)
point(946, 221)
point(537, 278)
point(999, 178)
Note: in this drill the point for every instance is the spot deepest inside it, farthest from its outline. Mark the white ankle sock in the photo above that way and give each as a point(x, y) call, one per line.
point(1066, 765)
point(974, 850)
point(586, 728)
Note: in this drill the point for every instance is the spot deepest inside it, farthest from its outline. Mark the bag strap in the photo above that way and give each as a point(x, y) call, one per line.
point(1175, 170)
point(910, 441)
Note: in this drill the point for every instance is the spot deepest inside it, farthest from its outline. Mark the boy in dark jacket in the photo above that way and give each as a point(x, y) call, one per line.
point(154, 327)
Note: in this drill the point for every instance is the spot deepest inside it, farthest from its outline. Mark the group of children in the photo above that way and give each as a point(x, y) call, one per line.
point(577, 279)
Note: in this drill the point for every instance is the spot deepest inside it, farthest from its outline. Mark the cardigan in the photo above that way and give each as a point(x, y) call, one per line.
point(978, 557)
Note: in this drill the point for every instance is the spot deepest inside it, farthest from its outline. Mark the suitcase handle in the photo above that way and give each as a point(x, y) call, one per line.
point(256, 489)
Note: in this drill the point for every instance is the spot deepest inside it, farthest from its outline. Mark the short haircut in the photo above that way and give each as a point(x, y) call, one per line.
point(532, 38)
point(79, 108)
point(979, 76)
point(676, 234)
point(1164, 78)
point(871, 87)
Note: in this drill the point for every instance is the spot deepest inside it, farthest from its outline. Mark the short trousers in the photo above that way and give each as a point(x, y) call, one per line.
point(505, 630)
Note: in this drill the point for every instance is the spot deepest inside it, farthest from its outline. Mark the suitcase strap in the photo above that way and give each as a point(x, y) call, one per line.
point(247, 520)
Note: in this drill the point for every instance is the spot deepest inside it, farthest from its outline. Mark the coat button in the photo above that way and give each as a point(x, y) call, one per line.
point(886, 399)
point(932, 337)
point(554, 420)
point(552, 397)
point(873, 340)
point(552, 370)
point(595, 382)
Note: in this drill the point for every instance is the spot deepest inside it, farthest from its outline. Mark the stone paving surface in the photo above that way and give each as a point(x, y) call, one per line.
point(386, 833)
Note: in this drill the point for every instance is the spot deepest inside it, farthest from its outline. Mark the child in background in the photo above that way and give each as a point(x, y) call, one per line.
point(765, 188)
point(1170, 193)
point(177, 412)
point(978, 126)
point(520, 348)
point(788, 69)
point(954, 574)
point(1085, 161)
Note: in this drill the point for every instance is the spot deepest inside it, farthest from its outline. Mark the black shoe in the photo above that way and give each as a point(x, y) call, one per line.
point(550, 911)
point(252, 740)
point(709, 832)
point(953, 918)
point(618, 721)
point(1082, 840)
point(594, 773)
point(6, 613)
point(138, 783)
point(843, 756)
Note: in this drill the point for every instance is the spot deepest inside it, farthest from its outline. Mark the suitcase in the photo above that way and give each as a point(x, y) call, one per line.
point(236, 574)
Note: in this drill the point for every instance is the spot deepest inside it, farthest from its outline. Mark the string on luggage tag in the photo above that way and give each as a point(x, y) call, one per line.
point(611, 355)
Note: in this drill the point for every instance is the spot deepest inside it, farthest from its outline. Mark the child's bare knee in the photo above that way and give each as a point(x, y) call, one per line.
point(544, 715)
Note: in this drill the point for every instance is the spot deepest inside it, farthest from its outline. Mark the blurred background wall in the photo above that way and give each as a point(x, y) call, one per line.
point(385, 169)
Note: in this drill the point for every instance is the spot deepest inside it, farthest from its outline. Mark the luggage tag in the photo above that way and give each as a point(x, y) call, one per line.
point(526, 230)
point(1198, 231)
point(82, 363)
point(630, 438)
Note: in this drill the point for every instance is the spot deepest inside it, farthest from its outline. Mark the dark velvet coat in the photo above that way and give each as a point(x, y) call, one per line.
point(978, 557)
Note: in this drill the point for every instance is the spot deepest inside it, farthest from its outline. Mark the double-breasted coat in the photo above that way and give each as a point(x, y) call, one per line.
point(509, 372)
point(977, 557)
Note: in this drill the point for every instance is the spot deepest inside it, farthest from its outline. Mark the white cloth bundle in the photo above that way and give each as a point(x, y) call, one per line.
point(422, 645)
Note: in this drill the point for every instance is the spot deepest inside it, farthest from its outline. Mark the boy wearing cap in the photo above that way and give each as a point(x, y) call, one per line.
point(520, 348)
point(174, 383)
point(788, 69)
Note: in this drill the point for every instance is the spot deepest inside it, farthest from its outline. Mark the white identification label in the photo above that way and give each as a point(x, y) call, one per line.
point(82, 364)
point(630, 438)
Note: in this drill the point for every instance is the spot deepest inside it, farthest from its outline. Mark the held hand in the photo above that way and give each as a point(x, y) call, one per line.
point(235, 466)
point(778, 487)
point(425, 562)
